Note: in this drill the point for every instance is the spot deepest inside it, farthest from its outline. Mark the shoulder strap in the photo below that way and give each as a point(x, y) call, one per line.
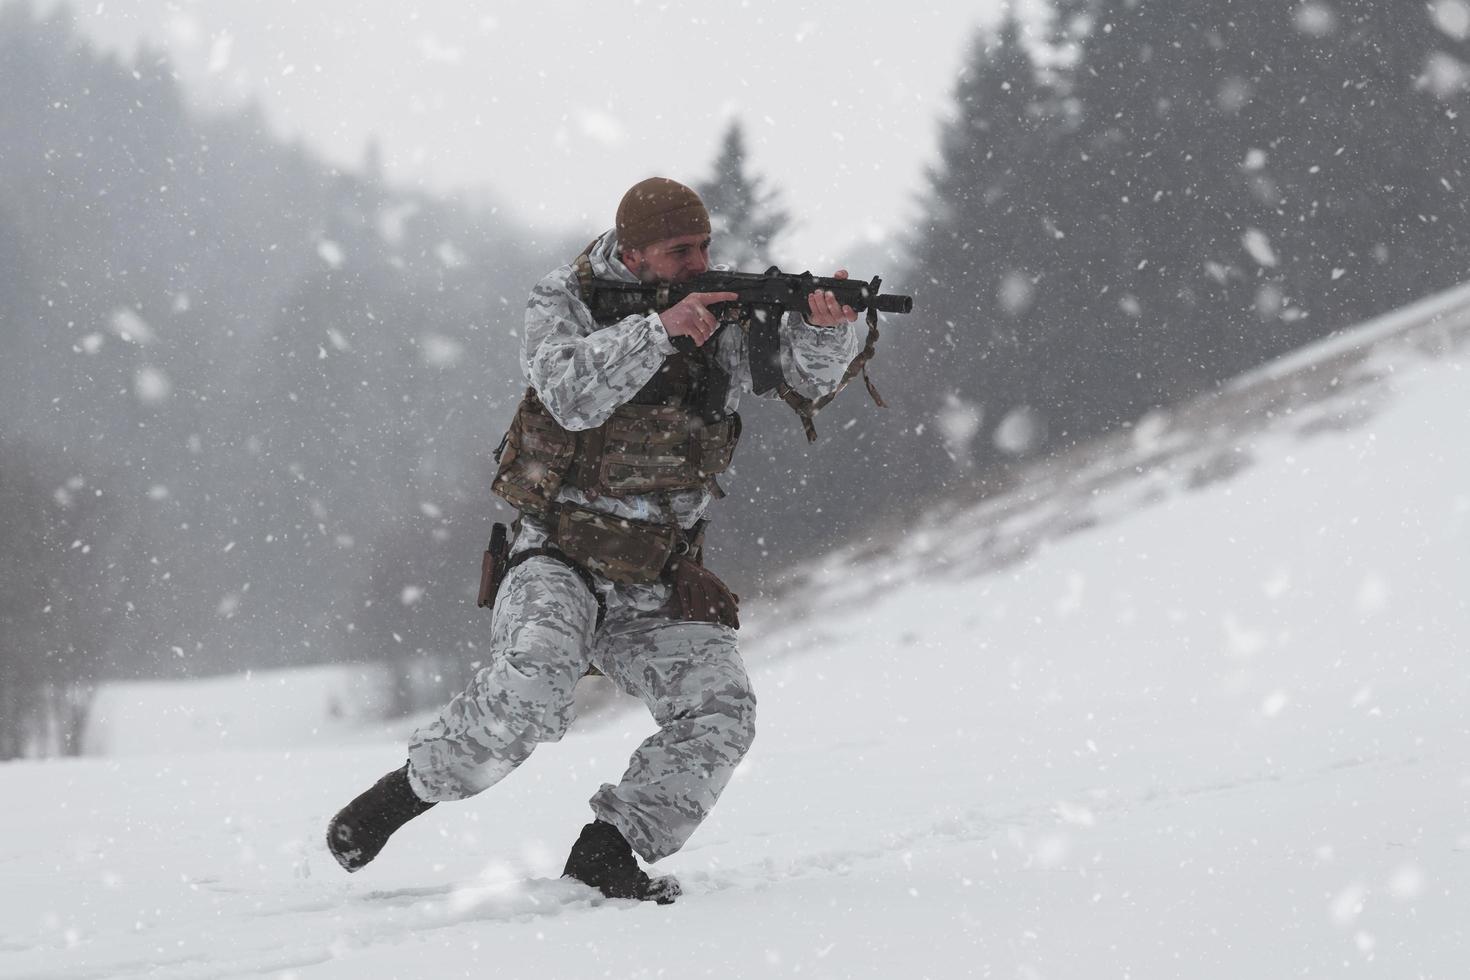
point(589, 442)
point(583, 264)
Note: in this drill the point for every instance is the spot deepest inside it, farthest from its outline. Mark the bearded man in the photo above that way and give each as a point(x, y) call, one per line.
point(611, 462)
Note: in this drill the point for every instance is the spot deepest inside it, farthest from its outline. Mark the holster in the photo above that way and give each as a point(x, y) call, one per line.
point(700, 596)
point(493, 566)
point(623, 551)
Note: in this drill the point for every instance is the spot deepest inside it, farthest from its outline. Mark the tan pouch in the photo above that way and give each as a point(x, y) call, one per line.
point(646, 450)
point(701, 597)
point(622, 550)
point(534, 459)
point(649, 448)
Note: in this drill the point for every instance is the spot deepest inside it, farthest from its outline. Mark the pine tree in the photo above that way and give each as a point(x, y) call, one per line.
point(1264, 173)
point(1209, 184)
point(746, 216)
point(986, 256)
point(1363, 142)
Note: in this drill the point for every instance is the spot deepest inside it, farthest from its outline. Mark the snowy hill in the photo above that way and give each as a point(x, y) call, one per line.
point(1192, 704)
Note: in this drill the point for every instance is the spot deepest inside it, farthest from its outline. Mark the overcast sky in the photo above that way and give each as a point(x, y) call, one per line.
point(555, 108)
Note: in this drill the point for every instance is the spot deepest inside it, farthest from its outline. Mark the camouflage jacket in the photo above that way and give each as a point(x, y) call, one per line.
point(582, 371)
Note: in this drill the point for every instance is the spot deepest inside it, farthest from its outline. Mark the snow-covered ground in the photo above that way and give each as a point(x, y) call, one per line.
point(265, 709)
point(1198, 707)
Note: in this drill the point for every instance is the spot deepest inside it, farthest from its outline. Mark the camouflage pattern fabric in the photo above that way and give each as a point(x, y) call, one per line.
point(689, 675)
point(692, 680)
point(582, 371)
point(543, 630)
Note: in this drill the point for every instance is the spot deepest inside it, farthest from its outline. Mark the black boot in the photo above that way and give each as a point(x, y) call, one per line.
point(602, 858)
point(359, 831)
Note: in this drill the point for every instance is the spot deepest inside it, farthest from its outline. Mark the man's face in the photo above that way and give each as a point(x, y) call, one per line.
point(669, 260)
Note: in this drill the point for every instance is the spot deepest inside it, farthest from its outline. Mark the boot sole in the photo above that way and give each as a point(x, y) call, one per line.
point(348, 859)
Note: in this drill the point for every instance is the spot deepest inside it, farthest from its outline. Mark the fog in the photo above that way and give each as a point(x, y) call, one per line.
point(550, 110)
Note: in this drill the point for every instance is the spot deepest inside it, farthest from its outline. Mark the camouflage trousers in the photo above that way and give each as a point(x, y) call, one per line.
point(543, 636)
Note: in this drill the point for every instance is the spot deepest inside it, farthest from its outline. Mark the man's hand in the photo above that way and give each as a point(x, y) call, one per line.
point(825, 310)
point(690, 317)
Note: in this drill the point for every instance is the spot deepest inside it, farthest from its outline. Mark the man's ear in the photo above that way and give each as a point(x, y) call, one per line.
point(632, 258)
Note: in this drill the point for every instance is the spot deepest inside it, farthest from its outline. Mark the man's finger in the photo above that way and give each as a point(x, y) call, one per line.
point(707, 298)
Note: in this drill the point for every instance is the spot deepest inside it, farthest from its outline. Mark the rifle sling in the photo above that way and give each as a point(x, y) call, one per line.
point(806, 408)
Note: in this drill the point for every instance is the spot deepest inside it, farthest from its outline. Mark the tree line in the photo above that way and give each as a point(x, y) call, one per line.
point(246, 396)
point(1133, 201)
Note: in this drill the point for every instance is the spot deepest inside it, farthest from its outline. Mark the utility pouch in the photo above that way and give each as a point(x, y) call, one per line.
point(493, 565)
point(648, 448)
point(622, 550)
point(700, 596)
point(533, 458)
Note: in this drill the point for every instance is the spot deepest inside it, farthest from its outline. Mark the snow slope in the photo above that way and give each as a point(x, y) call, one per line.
point(1193, 704)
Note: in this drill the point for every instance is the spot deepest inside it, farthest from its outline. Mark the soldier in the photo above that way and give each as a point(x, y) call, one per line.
point(611, 463)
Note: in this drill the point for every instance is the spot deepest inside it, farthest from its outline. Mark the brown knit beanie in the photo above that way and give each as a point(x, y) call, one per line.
point(659, 208)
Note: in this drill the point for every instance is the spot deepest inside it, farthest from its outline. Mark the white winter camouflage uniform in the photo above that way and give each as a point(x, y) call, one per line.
point(543, 630)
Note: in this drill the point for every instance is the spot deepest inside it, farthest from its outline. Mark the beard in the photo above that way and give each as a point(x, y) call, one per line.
point(643, 271)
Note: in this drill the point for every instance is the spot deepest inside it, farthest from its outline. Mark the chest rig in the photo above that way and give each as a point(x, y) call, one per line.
point(644, 447)
point(672, 435)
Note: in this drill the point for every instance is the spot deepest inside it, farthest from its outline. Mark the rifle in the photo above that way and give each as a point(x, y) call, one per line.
point(764, 299)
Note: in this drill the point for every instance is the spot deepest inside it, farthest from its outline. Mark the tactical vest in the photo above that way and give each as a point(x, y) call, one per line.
point(642, 448)
point(672, 435)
